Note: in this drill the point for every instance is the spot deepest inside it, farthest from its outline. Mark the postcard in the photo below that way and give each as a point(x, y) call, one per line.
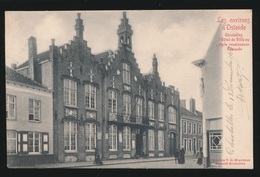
point(156, 89)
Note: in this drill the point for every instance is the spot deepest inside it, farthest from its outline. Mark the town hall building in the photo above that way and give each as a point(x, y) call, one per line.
point(102, 103)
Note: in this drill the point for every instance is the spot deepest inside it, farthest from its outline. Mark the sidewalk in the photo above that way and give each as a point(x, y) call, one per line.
point(106, 162)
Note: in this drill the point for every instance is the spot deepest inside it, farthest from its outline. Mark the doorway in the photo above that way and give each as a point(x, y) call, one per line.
point(172, 143)
point(139, 142)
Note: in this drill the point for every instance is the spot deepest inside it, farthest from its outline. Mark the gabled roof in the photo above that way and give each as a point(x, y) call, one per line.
point(186, 112)
point(14, 76)
point(40, 58)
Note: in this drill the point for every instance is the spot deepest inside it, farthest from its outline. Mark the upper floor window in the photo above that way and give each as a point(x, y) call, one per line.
point(172, 115)
point(70, 92)
point(190, 128)
point(139, 107)
point(90, 96)
point(10, 107)
point(34, 110)
point(194, 128)
point(184, 127)
point(199, 129)
point(126, 104)
point(161, 111)
point(112, 101)
point(126, 74)
point(151, 110)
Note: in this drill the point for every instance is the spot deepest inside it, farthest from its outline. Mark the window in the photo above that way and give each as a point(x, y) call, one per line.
point(112, 101)
point(199, 129)
point(215, 140)
point(126, 74)
point(70, 136)
point(113, 137)
point(139, 110)
point(90, 96)
point(151, 110)
point(172, 115)
point(45, 142)
point(10, 107)
point(34, 110)
point(34, 142)
point(70, 92)
point(161, 111)
point(126, 138)
point(90, 135)
point(184, 144)
point(184, 127)
point(151, 139)
point(194, 128)
point(11, 137)
point(189, 145)
point(190, 128)
point(161, 140)
point(126, 106)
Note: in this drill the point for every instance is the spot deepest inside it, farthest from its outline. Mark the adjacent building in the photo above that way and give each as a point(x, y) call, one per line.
point(29, 121)
point(190, 128)
point(102, 103)
point(211, 84)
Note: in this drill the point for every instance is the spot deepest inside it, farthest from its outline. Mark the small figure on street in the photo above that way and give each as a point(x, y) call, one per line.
point(199, 156)
point(176, 155)
point(98, 160)
point(181, 159)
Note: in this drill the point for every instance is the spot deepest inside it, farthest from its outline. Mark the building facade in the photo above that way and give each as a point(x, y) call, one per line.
point(212, 100)
point(29, 121)
point(191, 128)
point(102, 103)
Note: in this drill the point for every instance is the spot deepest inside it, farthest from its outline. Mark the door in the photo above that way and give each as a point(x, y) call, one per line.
point(139, 142)
point(194, 146)
point(172, 144)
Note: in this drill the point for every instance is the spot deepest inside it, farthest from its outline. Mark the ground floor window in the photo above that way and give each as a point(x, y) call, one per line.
point(112, 137)
point(90, 136)
point(151, 139)
point(11, 137)
point(184, 144)
point(34, 142)
point(189, 144)
point(126, 138)
point(70, 136)
point(215, 140)
point(199, 144)
point(161, 140)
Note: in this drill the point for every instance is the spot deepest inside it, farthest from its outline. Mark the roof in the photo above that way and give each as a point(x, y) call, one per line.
point(40, 58)
point(186, 112)
point(14, 76)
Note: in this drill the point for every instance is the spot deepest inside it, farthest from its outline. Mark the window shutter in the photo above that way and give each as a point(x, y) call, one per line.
point(45, 142)
point(24, 142)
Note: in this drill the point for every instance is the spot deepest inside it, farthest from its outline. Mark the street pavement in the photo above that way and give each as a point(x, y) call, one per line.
point(150, 163)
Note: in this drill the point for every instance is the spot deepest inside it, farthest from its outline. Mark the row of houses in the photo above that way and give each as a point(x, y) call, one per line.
point(67, 104)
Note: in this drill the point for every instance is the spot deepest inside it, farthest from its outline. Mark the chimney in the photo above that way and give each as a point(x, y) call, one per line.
point(13, 66)
point(155, 64)
point(192, 105)
point(32, 46)
point(183, 103)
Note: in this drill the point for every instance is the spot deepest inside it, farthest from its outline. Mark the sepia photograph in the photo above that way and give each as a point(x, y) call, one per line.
point(135, 89)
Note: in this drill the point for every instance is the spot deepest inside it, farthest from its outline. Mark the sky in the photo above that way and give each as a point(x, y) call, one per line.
point(177, 37)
